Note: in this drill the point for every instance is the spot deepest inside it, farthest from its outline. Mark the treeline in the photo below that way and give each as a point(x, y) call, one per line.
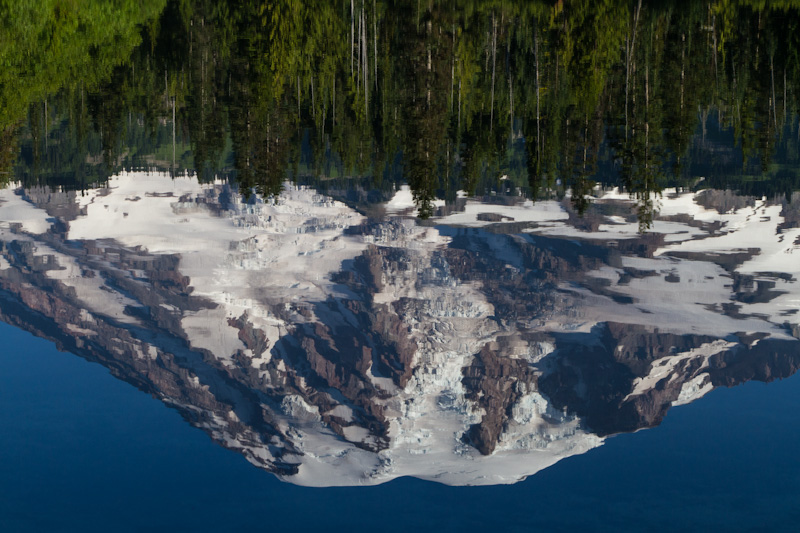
point(50, 45)
point(445, 95)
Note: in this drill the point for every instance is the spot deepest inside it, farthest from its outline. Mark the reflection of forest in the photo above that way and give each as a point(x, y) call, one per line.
point(444, 95)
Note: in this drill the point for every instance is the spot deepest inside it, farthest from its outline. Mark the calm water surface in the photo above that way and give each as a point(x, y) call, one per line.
point(84, 451)
point(365, 265)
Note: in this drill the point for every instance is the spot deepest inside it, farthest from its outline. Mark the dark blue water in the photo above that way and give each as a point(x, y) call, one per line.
point(82, 451)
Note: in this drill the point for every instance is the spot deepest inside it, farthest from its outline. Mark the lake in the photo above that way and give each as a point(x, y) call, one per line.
point(525, 267)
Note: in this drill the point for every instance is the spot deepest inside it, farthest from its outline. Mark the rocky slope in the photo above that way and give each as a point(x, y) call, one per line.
point(335, 349)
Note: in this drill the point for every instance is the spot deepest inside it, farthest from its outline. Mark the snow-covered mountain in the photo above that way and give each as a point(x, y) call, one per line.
point(475, 348)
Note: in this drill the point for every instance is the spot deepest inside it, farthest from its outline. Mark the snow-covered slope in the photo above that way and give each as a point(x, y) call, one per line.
point(333, 349)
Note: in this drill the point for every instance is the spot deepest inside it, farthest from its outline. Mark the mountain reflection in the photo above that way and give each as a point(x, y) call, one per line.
point(333, 347)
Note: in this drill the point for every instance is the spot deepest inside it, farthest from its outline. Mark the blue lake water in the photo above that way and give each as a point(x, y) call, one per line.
point(83, 451)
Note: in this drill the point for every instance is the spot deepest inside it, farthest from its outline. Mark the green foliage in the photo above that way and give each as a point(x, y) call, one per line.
point(49, 44)
point(443, 95)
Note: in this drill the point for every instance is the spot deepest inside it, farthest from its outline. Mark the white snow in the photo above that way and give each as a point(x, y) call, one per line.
point(271, 261)
point(668, 367)
point(526, 211)
point(244, 259)
point(16, 210)
point(402, 203)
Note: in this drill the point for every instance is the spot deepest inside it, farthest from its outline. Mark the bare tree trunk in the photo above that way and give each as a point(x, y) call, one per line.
point(683, 67)
point(333, 105)
point(511, 103)
point(585, 143)
point(510, 89)
point(453, 68)
point(366, 63)
point(628, 62)
point(646, 115)
point(173, 136)
point(459, 106)
point(714, 37)
point(774, 101)
point(430, 67)
point(358, 50)
point(352, 36)
point(494, 58)
point(538, 115)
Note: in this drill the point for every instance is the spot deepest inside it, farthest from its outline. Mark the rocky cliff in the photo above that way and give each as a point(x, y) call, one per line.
point(333, 348)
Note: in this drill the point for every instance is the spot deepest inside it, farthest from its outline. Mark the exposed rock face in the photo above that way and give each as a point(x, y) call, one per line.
point(621, 354)
point(331, 348)
point(496, 383)
point(58, 204)
point(724, 201)
point(160, 366)
point(764, 361)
